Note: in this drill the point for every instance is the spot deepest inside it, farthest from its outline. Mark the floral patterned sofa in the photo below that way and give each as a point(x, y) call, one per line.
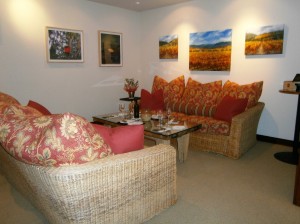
point(63, 165)
point(229, 113)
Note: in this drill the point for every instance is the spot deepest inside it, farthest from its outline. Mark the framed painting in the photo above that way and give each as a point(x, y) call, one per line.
point(264, 40)
point(64, 45)
point(210, 51)
point(168, 47)
point(110, 48)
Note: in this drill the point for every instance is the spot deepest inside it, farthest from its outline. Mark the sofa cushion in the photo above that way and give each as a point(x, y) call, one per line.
point(198, 99)
point(202, 93)
point(210, 125)
point(122, 139)
point(250, 91)
point(152, 101)
point(193, 109)
point(54, 140)
point(38, 107)
point(5, 98)
point(19, 110)
point(229, 107)
point(172, 91)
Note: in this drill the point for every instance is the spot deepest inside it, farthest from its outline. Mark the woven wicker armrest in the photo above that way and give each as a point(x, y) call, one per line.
point(244, 126)
point(126, 188)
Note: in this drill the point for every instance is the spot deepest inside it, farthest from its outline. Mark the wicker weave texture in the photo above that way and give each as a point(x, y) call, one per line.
point(241, 138)
point(126, 188)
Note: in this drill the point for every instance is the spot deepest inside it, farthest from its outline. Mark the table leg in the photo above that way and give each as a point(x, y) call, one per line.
point(183, 146)
point(297, 186)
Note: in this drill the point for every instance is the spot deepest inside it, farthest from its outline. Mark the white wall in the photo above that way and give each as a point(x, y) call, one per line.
point(82, 88)
point(278, 118)
point(87, 89)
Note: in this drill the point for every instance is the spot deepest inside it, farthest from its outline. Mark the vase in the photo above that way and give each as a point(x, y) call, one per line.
point(131, 94)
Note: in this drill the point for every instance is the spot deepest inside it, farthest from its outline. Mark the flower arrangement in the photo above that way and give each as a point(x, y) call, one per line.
point(131, 85)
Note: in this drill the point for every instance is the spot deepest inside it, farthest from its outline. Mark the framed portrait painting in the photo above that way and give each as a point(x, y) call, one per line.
point(110, 48)
point(64, 45)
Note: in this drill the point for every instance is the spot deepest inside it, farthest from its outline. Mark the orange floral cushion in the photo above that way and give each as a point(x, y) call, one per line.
point(250, 91)
point(193, 109)
point(16, 109)
point(203, 94)
point(5, 98)
point(172, 91)
point(54, 140)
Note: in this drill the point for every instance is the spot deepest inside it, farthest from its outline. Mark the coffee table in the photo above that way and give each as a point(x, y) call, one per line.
point(179, 131)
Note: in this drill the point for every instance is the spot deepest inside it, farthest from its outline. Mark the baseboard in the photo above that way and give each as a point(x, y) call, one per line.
point(273, 140)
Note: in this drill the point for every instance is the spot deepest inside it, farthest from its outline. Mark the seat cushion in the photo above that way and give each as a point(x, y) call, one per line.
point(210, 125)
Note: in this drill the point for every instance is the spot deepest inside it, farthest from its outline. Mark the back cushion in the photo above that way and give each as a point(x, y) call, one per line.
point(19, 110)
point(250, 91)
point(53, 140)
point(38, 107)
point(122, 139)
point(202, 93)
point(172, 91)
point(154, 101)
point(198, 98)
point(5, 98)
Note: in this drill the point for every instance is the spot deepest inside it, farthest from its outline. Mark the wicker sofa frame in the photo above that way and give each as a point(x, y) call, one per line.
point(241, 138)
point(125, 188)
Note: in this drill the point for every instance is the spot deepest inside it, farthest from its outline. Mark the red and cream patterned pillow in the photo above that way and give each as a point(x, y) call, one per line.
point(54, 140)
point(172, 91)
point(250, 91)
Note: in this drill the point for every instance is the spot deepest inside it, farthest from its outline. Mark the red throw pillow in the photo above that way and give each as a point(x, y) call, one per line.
point(38, 107)
point(229, 107)
point(122, 139)
point(154, 101)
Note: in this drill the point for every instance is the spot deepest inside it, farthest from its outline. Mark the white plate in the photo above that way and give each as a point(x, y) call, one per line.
point(178, 127)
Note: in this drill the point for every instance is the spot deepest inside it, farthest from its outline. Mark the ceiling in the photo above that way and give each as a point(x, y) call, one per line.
point(139, 5)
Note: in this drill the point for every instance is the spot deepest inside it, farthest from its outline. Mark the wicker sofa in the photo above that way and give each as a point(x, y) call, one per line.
point(226, 128)
point(124, 188)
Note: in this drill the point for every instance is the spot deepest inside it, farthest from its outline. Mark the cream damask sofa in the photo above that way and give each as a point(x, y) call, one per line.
point(99, 187)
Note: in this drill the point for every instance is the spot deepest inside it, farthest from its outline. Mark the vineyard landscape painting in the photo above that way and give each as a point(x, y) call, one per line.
point(210, 51)
point(168, 47)
point(264, 40)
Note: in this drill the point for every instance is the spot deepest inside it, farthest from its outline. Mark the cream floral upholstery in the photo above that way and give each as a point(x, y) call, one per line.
point(52, 140)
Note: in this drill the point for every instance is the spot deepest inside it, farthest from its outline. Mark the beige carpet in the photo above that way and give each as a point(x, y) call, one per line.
point(211, 189)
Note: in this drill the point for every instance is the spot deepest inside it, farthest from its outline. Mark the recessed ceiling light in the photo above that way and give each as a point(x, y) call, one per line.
point(137, 3)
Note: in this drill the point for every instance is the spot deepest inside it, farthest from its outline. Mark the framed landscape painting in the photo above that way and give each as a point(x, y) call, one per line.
point(210, 51)
point(64, 45)
point(264, 40)
point(110, 48)
point(168, 47)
